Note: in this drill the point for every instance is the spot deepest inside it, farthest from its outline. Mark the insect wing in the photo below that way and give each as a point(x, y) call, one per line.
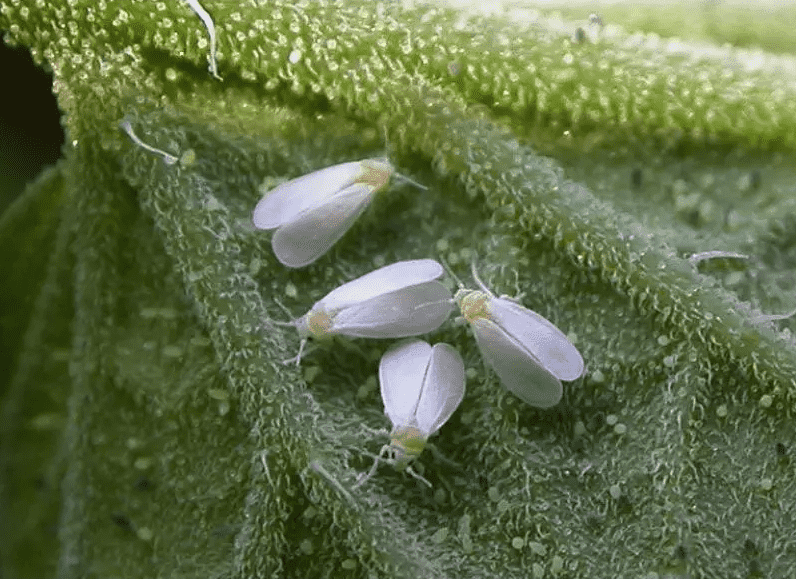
point(401, 373)
point(443, 388)
point(421, 386)
point(382, 281)
point(539, 337)
point(407, 311)
point(286, 201)
point(313, 232)
point(518, 370)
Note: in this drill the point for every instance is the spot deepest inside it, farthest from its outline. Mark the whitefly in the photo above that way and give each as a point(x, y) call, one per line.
point(311, 213)
point(421, 387)
point(399, 300)
point(528, 353)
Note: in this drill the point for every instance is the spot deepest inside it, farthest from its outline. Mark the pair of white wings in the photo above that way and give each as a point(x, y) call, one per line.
point(421, 385)
point(312, 212)
point(529, 354)
point(395, 301)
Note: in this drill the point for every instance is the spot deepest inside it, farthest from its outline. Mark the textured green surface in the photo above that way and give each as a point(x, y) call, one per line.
point(753, 24)
point(148, 426)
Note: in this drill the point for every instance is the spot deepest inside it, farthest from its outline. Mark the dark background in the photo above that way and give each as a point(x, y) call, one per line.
point(30, 131)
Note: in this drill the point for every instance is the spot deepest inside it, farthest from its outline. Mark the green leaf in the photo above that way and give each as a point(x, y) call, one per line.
point(149, 426)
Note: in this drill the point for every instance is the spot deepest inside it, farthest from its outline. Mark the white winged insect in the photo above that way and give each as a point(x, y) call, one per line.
point(421, 387)
point(529, 354)
point(312, 212)
point(395, 301)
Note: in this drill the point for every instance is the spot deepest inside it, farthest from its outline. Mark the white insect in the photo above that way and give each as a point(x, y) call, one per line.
point(529, 354)
point(395, 301)
point(312, 212)
point(421, 387)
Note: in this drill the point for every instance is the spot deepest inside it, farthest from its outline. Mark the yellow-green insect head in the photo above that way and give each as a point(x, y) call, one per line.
point(473, 304)
point(375, 172)
point(406, 444)
point(316, 323)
